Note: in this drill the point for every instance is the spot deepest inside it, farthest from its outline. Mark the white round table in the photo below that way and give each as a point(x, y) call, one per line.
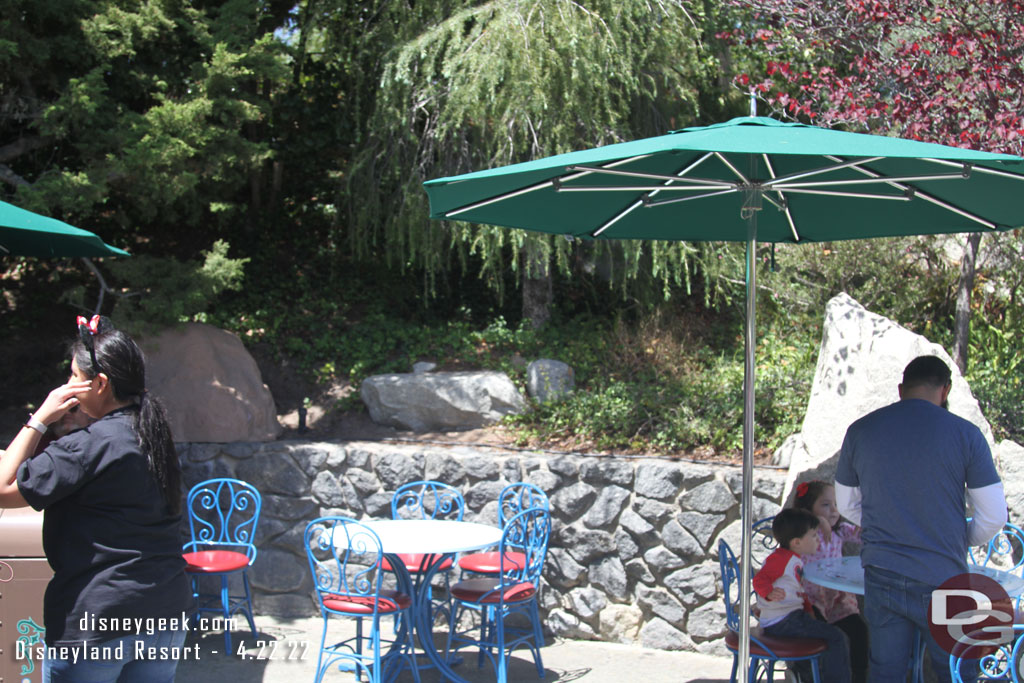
point(438, 540)
point(847, 574)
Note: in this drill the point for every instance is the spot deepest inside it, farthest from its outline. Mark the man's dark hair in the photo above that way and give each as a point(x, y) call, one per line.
point(928, 371)
point(792, 523)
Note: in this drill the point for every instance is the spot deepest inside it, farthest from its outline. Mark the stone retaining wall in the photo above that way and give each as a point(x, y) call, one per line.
point(632, 556)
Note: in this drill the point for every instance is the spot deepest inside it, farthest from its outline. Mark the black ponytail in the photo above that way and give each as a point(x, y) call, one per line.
point(116, 355)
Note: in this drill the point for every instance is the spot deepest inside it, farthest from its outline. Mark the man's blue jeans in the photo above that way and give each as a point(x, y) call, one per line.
point(896, 609)
point(124, 669)
point(835, 661)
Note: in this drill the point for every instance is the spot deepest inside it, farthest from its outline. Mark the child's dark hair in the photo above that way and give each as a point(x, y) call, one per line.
point(117, 356)
point(808, 493)
point(792, 523)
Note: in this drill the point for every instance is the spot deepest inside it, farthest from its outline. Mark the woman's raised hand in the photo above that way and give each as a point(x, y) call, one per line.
point(61, 400)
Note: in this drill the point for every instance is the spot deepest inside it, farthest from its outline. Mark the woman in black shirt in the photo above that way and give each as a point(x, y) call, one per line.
point(117, 606)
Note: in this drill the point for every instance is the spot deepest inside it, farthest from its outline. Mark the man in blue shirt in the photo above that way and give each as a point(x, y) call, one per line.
point(905, 474)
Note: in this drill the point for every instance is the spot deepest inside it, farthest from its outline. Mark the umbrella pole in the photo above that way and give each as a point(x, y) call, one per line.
point(751, 208)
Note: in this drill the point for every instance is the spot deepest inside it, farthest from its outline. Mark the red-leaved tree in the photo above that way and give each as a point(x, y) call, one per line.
point(945, 71)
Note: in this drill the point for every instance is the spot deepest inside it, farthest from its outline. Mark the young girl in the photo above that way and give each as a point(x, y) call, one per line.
point(836, 607)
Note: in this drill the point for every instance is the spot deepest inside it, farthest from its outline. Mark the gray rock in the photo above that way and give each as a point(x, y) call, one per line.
point(440, 401)
point(287, 507)
point(679, 541)
point(423, 366)
point(860, 364)
point(571, 501)
point(326, 489)
point(607, 507)
point(546, 481)
point(701, 525)
point(482, 493)
point(586, 545)
point(658, 601)
point(396, 469)
point(481, 467)
point(714, 496)
point(587, 602)
point(658, 480)
point(309, 458)
point(610, 575)
point(564, 466)
point(637, 569)
point(621, 623)
point(654, 512)
point(358, 457)
point(566, 625)
point(627, 547)
point(549, 380)
point(638, 526)
point(561, 570)
point(364, 482)
point(695, 584)
point(607, 471)
point(663, 560)
point(659, 634)
point(707, 621)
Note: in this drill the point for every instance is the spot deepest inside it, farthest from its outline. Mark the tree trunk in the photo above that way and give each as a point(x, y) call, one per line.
point(965, 285)
point(537, 291)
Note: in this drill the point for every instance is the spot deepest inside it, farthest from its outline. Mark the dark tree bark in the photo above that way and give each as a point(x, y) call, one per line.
point(964, 288)
point(537, 290)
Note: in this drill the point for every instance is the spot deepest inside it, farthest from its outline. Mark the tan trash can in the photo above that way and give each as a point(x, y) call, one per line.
point(24, 574)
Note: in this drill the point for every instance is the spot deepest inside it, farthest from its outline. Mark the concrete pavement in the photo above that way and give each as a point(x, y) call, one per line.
point(287, 653)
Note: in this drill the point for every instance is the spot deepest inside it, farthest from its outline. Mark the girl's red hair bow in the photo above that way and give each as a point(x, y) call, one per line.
point(93, 324)
point(801, 489)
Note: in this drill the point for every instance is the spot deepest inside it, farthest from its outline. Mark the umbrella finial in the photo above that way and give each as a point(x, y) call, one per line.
point(753, 104)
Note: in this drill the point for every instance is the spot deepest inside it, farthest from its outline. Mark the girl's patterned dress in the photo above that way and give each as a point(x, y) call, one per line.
point(833, 604)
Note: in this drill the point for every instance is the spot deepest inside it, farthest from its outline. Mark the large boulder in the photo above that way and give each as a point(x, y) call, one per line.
point(440, 401)
point(860, 365)
point(549, 380)
point(210, 385)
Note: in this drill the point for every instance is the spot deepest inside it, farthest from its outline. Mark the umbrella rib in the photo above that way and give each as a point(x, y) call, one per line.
point(855, 195)
point(979, 169)
point(641, 202)
point(532, 188)
point(782, 198)
point(732, 168)
point(818, 171)
point(641, 188)
point(868, 181)
point(929, 198)
point(675, 200)
point(653, 176)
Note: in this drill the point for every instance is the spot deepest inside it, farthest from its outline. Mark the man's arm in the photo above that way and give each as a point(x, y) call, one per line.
point(989, 506)
point(848, 500)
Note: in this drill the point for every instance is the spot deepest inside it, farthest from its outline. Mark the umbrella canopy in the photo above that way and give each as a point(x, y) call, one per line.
point(748, 179)
point(24, 233)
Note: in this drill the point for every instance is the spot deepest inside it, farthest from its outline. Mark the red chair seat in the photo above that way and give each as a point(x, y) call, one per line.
point(490, 563)
point(480, 591)
point(784, 648)
point(417, 562)
point(390, 601)
point(215, 561)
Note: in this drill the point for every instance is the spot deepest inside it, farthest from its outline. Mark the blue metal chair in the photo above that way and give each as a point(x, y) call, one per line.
point(1004, 551)
point(762, 541)
point(222, 517)
point(512, 591)
point(764, 650)
point(986, 662)
point(425, 500)
point(345, 558)
point(512, 500)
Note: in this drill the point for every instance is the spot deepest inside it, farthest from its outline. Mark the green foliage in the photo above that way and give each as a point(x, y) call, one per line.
point(160, 292)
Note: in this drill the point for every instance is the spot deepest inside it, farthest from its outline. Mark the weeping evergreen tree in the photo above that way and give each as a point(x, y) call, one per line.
point(505, 81)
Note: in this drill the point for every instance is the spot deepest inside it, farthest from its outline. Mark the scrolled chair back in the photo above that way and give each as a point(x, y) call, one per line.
point(223, 513)
point(427, 500)
point(518, 497)
point(344, 558)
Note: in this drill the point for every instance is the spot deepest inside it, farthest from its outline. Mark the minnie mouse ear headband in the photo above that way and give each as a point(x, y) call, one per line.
point(88, 330)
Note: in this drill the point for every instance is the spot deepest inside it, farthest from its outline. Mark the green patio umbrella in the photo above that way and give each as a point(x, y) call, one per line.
point(749, 179)
point(24, 233)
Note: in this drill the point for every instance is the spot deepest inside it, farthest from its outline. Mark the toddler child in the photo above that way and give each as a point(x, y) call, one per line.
point(836, 607)
point(785, 610)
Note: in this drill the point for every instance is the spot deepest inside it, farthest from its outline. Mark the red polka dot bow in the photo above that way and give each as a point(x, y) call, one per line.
point(93, 324)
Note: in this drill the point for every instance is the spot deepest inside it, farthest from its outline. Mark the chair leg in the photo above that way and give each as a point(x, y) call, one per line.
point(248, 604)
point(225, 603)
point(538, 639)
point(815, 671)
point(499, 626)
